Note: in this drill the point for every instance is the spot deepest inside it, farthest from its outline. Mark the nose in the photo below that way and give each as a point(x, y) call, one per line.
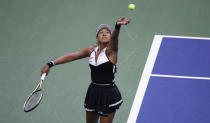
point(104, 34)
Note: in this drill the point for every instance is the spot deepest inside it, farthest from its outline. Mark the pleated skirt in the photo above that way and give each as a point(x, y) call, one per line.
point(102, 99)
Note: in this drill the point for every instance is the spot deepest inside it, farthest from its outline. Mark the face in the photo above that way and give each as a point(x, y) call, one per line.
point(104, 35)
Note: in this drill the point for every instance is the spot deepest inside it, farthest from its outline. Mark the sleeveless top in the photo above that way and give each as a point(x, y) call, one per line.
point(102, 70)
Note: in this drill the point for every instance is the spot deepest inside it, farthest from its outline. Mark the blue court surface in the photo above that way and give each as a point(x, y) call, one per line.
point(175, 84)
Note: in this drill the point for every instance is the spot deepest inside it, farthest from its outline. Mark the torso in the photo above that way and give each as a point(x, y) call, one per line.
point(102, 69)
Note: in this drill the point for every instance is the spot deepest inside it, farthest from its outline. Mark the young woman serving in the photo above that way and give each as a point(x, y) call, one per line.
point(103, 97)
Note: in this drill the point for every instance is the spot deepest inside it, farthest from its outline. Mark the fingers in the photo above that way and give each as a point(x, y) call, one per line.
point(123, 18)
point(45, 69)
point(128, 21)
point(123, 21)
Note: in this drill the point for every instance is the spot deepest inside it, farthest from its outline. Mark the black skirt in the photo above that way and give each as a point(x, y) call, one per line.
point(102, 99)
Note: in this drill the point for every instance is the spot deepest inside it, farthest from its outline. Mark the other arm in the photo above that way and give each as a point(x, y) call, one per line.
point(85, 52)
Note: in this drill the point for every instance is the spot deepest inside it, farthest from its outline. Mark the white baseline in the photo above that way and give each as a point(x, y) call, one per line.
point(183, 77)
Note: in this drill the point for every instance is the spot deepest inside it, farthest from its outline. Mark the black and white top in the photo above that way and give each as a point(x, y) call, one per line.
point(102, 70)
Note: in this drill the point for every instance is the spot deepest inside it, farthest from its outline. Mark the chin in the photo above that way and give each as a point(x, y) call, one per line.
point(106, 42)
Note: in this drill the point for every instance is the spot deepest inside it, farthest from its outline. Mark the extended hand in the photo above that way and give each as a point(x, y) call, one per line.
point(123, 21)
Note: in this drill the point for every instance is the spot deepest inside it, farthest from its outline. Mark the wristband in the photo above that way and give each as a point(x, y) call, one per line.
point(117, 26)
point(51, 64)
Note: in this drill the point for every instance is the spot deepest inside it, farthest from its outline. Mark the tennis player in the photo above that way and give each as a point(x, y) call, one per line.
point(103, 97)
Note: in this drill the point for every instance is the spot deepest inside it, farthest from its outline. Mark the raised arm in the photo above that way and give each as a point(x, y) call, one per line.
point(113, 45)
point(85, 52)
point(112, 49)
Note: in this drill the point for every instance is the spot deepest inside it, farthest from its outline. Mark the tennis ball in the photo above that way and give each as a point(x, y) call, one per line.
point(131, 6)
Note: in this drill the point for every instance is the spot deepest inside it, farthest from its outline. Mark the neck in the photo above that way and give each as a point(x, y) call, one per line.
point(102, 46)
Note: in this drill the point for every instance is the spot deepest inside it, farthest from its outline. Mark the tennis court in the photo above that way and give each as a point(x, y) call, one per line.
point(174, 86)
point(33, 32)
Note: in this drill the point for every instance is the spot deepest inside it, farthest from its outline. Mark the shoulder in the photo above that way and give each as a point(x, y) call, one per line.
point(109, 51)
point(89, 49)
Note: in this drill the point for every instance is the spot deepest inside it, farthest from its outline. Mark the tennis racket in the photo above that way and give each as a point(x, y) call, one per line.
point(35, 97)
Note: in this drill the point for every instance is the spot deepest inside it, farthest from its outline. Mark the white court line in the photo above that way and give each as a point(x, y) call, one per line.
point(182, 77)
point(186, 37)
point(144, 79)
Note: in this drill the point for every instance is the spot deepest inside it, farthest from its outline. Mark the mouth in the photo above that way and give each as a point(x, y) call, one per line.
point(104, 38)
